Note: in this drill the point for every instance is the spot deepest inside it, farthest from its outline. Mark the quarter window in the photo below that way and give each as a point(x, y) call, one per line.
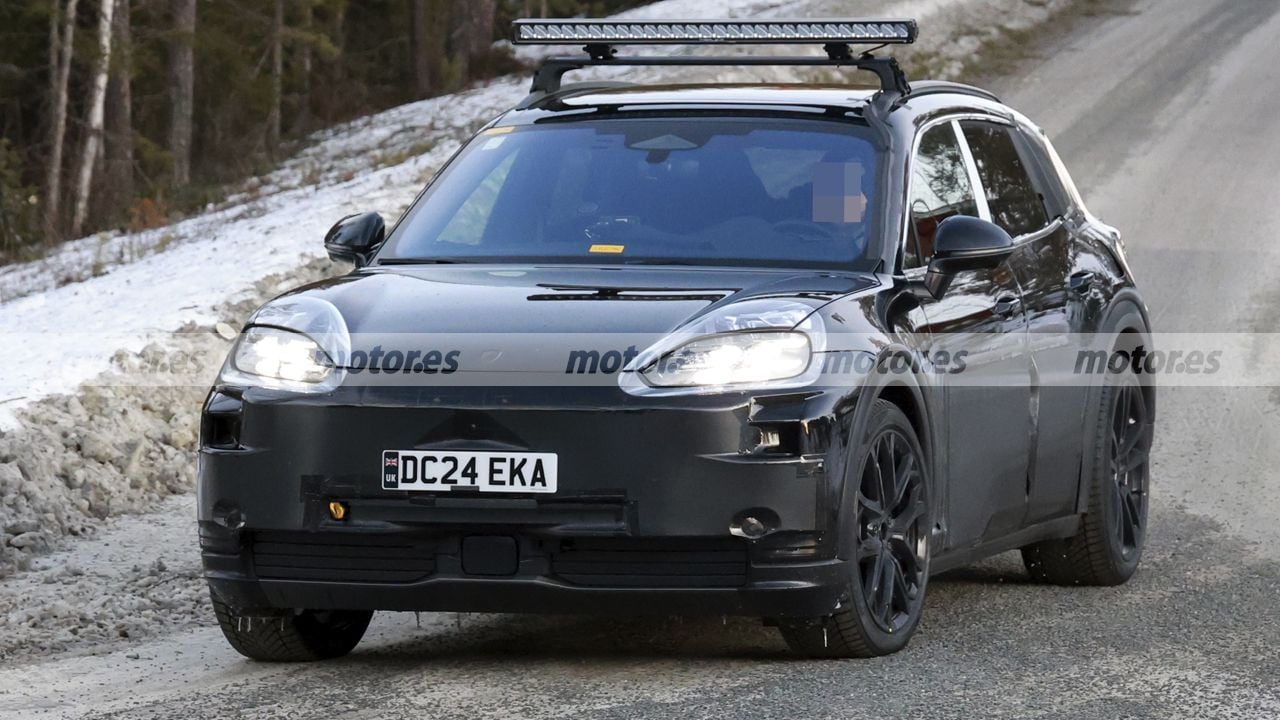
point(1015, 203)
point(940, 188)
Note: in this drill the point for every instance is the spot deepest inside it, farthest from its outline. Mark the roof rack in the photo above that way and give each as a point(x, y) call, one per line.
point(599, 38)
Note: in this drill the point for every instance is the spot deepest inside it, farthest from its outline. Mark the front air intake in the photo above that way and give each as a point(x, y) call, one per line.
point(652, 562)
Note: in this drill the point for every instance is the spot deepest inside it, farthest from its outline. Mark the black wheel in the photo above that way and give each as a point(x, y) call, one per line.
point(890, 541)
point(1108, 547)
point(292, 635)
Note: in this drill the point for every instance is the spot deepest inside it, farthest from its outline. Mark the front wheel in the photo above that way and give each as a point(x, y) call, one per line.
point(890, 547)
point(292, 635)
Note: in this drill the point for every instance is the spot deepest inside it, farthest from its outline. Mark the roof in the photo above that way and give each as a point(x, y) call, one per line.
point(815, 95)
point(590, 95)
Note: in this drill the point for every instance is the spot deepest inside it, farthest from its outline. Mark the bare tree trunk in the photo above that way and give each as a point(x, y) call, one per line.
point(543, 11)
point(477, 16)
point(439, 22)
point(182, 88)
point(60, 51)
point(420, 48)
point(277, 72)
point(304, 64)
point(93, 129)
point(117, 176)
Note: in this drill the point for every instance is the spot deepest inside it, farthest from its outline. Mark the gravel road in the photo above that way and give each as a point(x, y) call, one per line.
point(1166, 113)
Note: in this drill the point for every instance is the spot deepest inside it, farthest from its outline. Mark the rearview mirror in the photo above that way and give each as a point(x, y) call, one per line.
point(965, 243)
point(355, 238)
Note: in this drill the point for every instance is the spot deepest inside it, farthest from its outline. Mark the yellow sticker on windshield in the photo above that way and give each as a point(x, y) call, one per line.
point(611, 249)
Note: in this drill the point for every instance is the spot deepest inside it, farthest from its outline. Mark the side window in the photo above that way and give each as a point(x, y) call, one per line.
point(940, 188)
point(1060, 169)
point(1015, 203)
point(1053, 191)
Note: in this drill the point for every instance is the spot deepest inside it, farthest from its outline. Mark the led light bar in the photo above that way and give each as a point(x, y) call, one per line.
point(712, 32)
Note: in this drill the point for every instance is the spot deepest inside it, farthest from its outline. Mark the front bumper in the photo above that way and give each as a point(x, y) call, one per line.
point(641, 521)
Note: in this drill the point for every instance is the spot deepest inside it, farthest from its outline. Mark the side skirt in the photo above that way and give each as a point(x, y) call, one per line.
point(1060, 528)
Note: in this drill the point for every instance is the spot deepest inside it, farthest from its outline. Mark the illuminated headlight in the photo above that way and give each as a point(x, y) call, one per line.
point(279, 359)
point(732, 359)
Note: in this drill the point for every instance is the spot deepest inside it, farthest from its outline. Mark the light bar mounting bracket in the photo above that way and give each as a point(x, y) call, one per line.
point(548, 77)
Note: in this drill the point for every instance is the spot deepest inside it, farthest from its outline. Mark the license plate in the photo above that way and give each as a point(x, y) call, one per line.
point(496, 472)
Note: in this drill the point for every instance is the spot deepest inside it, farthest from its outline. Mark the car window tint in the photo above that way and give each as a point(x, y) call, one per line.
point(713, 191)
point(1015, 204)
point(468, 224)
point(1044, 175)
point(940, 188)
point(782, 170)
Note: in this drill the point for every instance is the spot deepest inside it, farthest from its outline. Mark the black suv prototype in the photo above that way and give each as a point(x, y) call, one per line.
point(775, 351)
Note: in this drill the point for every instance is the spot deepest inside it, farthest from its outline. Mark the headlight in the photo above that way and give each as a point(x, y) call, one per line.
point(759, 343)
point(732, 359)
point(279, 359)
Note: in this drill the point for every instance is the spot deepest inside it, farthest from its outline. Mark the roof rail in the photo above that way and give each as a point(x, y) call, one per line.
point(570, 89)
point(935, 87)
point(598, 38)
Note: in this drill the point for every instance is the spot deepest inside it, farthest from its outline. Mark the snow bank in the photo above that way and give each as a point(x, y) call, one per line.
point(113, 448)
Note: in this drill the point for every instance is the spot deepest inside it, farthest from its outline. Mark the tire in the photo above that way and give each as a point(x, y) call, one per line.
point(1108, 547)
point(292, 635)
point(886, 541)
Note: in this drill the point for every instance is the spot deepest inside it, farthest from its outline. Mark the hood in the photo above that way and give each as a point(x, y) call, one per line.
point(558, 299)
point(529, 319)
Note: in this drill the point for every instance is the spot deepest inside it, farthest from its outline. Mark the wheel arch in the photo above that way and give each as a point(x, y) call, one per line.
point(909, 390)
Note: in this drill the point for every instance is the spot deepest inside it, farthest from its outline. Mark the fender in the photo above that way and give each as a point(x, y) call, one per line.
point(903, 386)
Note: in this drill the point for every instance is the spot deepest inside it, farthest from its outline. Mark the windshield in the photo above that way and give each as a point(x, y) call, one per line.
point(713, 191)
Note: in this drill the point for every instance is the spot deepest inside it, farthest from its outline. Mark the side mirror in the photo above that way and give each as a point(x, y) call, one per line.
point(354, 238)
point(965, 243)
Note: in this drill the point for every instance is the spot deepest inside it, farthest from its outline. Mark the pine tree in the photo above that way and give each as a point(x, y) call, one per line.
point(182, 88)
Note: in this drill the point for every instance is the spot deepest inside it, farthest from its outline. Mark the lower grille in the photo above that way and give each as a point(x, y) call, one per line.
point(658, 562)
point(342, 557)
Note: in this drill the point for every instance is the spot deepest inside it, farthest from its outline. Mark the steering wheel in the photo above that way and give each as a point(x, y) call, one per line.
point(804, 230)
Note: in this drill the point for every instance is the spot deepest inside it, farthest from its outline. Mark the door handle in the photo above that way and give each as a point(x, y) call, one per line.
point(1081, 282)
point(1008, 306)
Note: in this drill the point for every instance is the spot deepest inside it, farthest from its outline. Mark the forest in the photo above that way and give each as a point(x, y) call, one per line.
point(127, 114)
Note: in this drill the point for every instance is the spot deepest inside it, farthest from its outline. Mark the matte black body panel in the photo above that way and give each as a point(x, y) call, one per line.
point(651, 486)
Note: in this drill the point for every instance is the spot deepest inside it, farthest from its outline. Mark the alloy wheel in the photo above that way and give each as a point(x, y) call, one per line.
point(893, 533)
point(1130, 453)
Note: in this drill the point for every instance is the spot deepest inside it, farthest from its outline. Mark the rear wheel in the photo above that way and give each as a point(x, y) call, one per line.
point(292, 635)
point(1108, 547)
point(890, 547)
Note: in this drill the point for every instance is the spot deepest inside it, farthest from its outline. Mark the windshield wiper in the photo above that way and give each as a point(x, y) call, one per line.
point(419, 261)
point(657, 261)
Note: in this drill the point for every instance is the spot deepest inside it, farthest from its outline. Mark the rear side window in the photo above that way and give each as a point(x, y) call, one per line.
point(940, 188)
point(1015, 203)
